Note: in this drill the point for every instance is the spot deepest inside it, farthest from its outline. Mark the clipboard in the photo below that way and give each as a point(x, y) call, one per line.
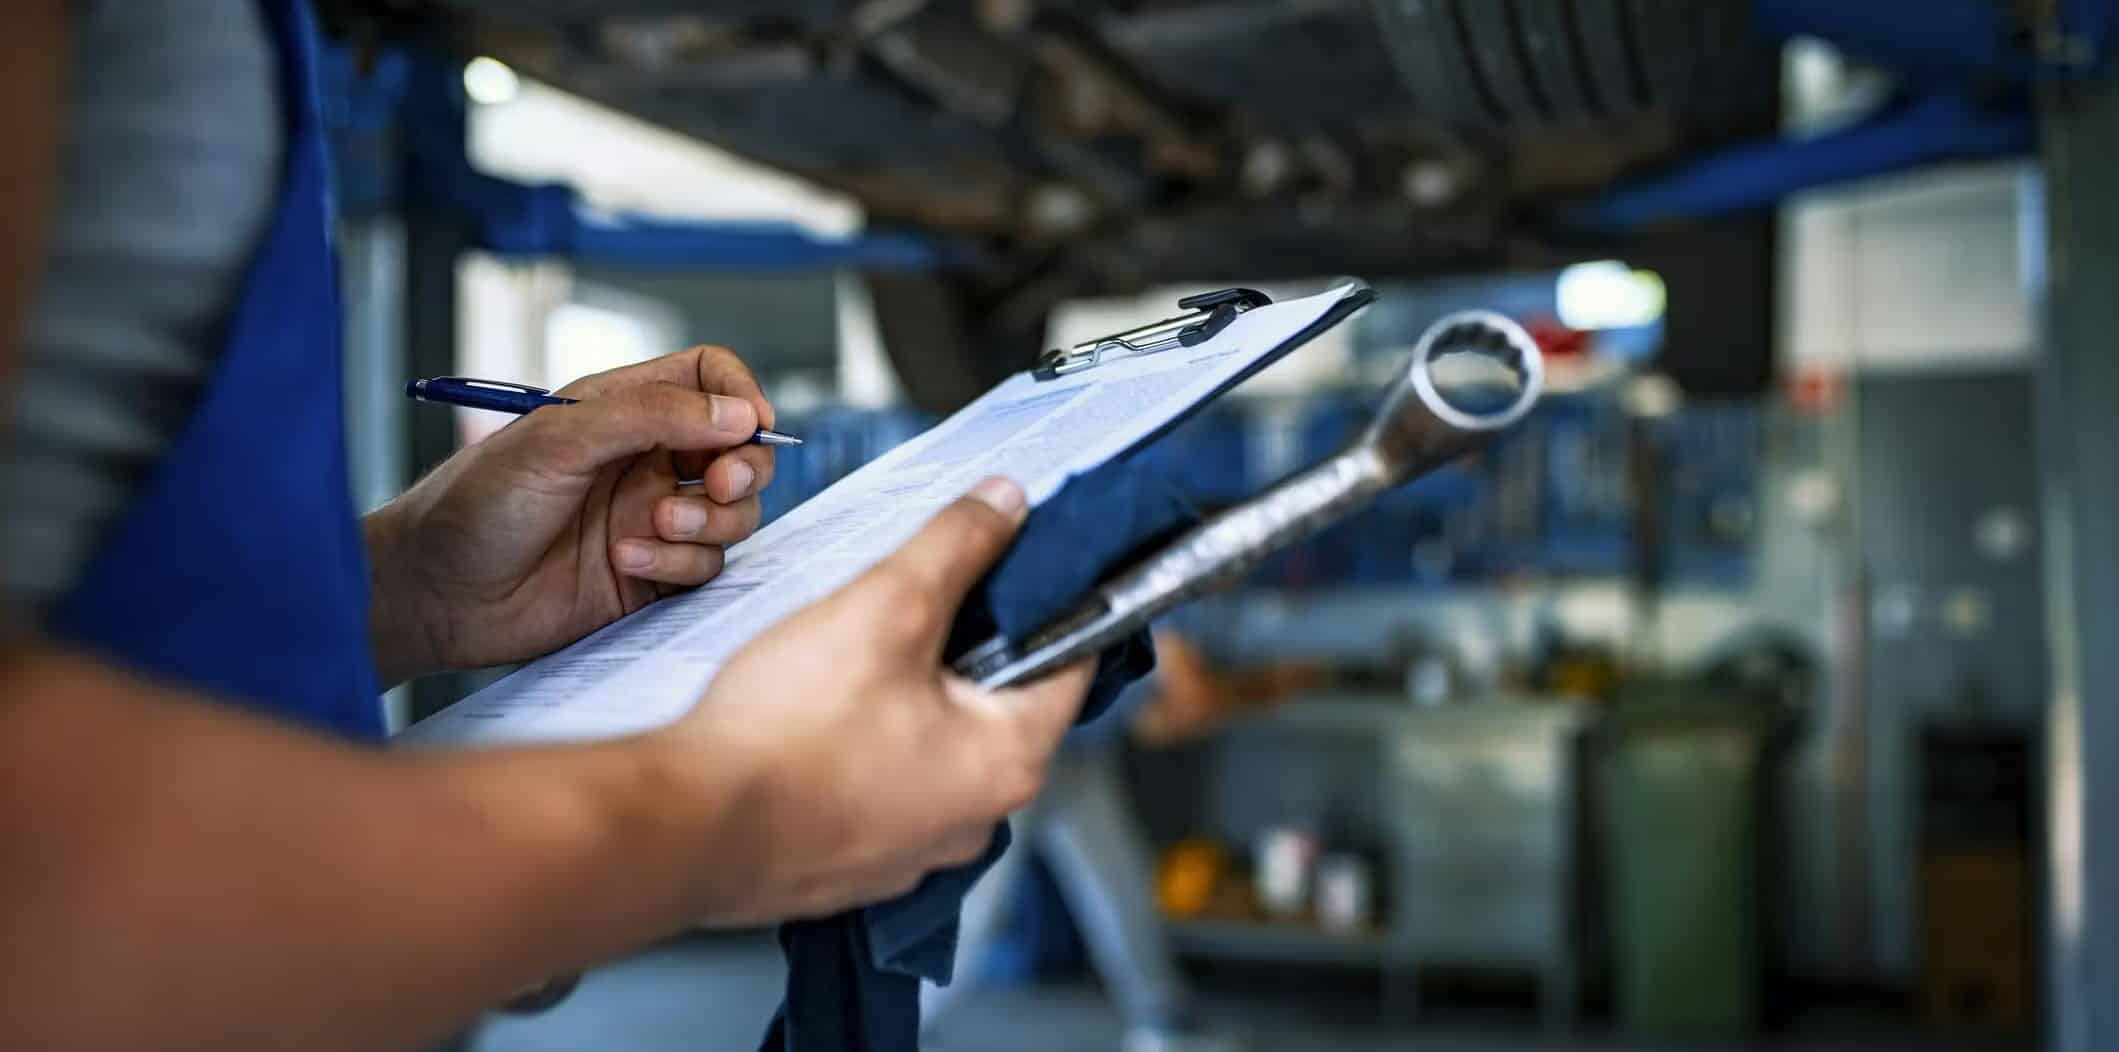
point(1207, 315)
point(1041, 426)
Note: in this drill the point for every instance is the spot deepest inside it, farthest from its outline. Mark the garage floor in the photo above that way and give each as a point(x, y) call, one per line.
point(714, 994)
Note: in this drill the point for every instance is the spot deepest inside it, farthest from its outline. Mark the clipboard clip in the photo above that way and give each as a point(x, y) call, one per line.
point(1211, 312)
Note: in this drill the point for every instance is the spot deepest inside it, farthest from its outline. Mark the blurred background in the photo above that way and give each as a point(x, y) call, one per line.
point(1747, 692)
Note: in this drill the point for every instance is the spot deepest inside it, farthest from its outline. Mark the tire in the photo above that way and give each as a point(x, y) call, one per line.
point(1490, 64)
point(947, 349)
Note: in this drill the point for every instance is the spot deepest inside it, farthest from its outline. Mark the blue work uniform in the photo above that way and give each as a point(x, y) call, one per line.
point(237, 570)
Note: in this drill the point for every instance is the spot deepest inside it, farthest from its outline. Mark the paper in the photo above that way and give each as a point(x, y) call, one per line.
point(647, 669)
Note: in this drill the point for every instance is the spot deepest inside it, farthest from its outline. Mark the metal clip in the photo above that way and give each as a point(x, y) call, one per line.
point(1211, 312)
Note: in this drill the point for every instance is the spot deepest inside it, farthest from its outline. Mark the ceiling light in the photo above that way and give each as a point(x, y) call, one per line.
point(1608, 294)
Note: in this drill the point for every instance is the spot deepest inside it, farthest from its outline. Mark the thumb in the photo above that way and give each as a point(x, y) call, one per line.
point(948, 555)
point(578, 439)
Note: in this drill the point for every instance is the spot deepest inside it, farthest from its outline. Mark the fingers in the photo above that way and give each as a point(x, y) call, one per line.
point(684, 565)
point(709, 370)
point(966, 846)
point(579, 439)
point(699, 520)
point(1021, 728)
point(717, 369)
point(733, 475)
point(941, 562)
point(739, 472)
point(1043, 710)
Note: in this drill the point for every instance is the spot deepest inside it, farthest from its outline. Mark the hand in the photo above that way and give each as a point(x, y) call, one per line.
point(1192, 698)
point(873, 765)
point(570, 517)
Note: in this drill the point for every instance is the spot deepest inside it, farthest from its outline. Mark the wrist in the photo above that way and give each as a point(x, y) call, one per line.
point(404, 643)
point(582, 851)
point(708, 793)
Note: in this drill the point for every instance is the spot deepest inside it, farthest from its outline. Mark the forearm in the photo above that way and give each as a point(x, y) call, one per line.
point(181, 876)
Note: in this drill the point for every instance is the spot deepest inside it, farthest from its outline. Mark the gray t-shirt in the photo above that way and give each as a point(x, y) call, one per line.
point(171, 167)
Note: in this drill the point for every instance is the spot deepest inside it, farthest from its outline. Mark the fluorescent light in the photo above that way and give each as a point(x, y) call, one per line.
point(1607, 294)
point(489, 81)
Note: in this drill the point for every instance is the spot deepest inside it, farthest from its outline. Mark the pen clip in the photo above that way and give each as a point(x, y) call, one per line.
point(499, 385)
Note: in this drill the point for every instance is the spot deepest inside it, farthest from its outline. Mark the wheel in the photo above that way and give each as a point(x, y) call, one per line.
point(1555, 66)
point(948, 348)
point(1423, 43)
point(1490, 33)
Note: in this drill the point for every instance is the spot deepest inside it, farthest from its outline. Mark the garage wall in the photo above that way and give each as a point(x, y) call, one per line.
point(1919, 293)
point(1929, 271)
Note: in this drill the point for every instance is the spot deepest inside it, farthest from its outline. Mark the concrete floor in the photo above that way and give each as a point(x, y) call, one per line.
point(700, 995)
point(715, 995)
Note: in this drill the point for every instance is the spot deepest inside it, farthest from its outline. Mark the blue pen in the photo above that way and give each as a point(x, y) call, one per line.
point(504, 397)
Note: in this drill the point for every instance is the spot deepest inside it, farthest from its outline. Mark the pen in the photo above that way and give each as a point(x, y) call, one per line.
point(504, 397)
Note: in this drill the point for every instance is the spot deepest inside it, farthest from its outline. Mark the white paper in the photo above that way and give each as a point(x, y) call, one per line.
point(647, 669)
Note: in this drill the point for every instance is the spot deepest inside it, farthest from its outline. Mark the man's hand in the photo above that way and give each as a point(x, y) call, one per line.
point(571, 517)
point(871, 764)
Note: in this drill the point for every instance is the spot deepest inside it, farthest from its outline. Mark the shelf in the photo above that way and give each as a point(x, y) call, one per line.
point(1280, 943)
point(1338, 714)
point(1380, 715)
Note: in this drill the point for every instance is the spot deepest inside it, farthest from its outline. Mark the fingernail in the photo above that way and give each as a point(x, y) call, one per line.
point(725, 412)
point(687, 519)
point(634, 555)
point(1002, 495)
point(740, 477)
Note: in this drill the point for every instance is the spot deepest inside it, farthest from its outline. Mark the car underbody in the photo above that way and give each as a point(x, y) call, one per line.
point(1077, 147)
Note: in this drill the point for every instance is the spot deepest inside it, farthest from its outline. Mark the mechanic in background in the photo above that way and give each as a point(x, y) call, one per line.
point(1084, 829)
point(201, 846)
